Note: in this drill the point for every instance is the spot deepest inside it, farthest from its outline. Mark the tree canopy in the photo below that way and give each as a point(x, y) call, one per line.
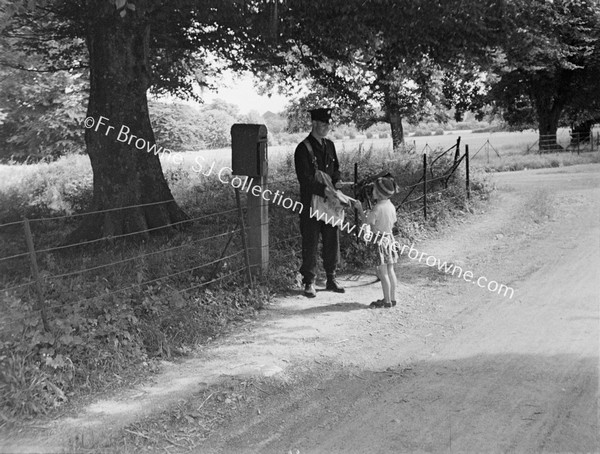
point(390, 60)
point(549, 64)
point(127, 48)
point(384, 60)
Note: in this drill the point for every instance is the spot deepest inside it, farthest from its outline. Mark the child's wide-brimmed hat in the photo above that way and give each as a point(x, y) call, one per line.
point(385, 186)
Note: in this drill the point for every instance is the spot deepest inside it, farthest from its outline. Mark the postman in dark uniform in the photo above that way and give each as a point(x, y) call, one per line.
point(317, 152)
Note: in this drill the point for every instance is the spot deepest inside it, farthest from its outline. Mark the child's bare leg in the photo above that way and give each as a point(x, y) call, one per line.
point(385, 282)
point(393, 281)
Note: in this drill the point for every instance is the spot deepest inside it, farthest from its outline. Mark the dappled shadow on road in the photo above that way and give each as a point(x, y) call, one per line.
point(411, 272)
point(482, 403)
point(407, 271)
point(316, 306)
point(337, 307)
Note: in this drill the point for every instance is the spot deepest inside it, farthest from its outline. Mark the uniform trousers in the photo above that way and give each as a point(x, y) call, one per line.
point(311, 230)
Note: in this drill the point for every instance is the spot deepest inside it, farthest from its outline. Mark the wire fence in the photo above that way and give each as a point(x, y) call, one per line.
point(575, 142)
point(41, 274)
point(564, 140)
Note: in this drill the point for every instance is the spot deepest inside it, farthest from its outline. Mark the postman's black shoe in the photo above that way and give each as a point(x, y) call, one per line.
point(333, 285)
point(309, 290)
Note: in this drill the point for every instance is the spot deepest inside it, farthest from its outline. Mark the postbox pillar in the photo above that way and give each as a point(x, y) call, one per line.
point(249, 158)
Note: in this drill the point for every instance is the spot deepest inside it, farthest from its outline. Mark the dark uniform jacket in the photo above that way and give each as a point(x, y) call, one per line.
point(327, 161)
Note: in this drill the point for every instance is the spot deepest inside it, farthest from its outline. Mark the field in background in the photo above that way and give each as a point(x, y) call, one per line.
point(519, 141)
point(497, 151)
point(507, 144)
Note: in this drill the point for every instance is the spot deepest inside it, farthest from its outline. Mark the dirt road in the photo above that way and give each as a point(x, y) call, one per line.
point(454, 367)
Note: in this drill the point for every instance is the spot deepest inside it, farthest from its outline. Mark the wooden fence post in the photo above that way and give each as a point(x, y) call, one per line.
point(457, 152)
point(425, 185)
point(467, 171)
point(356, 197)
point(35, 272)
point(258, 225)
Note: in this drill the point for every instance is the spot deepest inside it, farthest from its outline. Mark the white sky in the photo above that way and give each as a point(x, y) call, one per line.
point(241, 92)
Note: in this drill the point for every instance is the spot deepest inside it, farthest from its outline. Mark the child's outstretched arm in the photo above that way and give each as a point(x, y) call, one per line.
point(358, 207)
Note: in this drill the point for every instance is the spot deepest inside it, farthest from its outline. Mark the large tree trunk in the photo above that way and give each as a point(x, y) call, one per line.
point(548, 125)
point(125, 172)
point(397, 131)
point(393, 116)
point(548, 98)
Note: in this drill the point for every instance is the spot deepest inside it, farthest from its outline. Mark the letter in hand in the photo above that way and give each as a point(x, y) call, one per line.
point(329, 194)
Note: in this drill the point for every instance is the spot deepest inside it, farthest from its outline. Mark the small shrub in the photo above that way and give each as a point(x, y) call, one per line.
point(63, 187)
point(89, 342)
point(438, 132)
point(419, 132)
point(369, 135)
point(383, 135)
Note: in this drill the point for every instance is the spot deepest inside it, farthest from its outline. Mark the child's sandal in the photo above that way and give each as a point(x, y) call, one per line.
point(379, 303)
point(376, 304)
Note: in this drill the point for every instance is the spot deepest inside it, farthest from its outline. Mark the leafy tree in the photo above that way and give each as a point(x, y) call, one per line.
point(220, 104)
point(382, 60)
point(549, 64)
point(298, 120)
point(130, 47)
point(275, 123)
point(252, 117)
point(176, 126)
point(43, 114)
point(215, 126)
point(465, 88)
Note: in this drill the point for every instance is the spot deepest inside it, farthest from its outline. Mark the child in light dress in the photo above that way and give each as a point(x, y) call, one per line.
point(377, 228)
